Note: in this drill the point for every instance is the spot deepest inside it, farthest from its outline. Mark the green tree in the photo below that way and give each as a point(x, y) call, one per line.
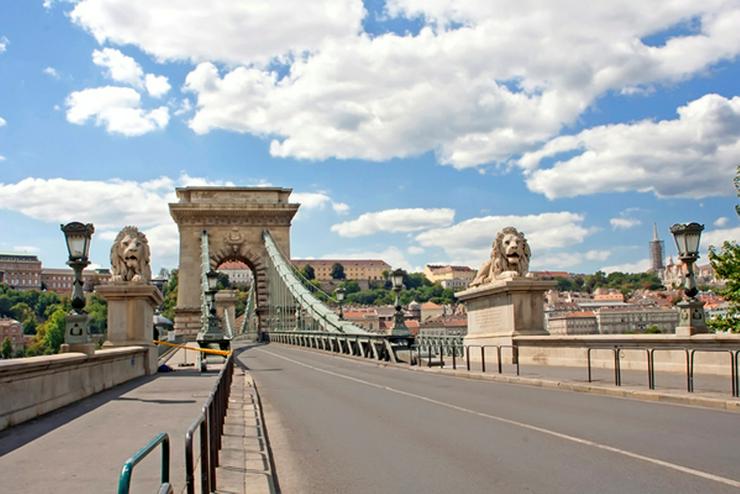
point(350, 286)
point(50, 334)
point(97, 309)
point(726, 264)
point(7, 349)
point(308, 272)
point(337, 272)
point(170, 296)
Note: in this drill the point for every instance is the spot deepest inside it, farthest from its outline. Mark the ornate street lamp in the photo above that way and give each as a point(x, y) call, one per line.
point(77, 236)
point(692, 319)
point(77, 332)
point(339, 294)
point(399, 327)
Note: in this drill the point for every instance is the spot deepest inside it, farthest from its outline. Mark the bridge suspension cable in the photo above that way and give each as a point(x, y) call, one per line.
point(292, 306)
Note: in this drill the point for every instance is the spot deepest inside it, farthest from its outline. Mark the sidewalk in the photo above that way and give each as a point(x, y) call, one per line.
point(82, 447)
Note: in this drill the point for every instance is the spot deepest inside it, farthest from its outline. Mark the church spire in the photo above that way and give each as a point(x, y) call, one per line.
point(655, 232)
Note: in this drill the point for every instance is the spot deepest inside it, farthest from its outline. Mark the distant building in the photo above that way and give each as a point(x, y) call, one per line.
point(551, 275)
point(656, 248)
point(239, 273)
point(367, 318)
point(60, 280)
point(20, 271)
point(580, 322)
point(455, 278)
point(430, 310)
point(354, 269)
point(635, 319)
point(13, 330)
point(608, 295)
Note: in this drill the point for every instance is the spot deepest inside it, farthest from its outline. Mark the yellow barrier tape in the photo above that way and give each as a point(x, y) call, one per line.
point(223, 353)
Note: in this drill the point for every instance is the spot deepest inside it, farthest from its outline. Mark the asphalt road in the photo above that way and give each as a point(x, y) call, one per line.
point(341, 426)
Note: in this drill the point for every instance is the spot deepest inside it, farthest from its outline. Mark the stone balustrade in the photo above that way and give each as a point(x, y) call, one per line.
point(33, 386)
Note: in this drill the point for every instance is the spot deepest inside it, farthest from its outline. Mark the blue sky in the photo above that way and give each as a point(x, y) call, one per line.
point(409, 130)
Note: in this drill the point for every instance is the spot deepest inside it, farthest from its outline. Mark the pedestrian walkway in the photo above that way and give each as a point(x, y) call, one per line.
point(82, 447)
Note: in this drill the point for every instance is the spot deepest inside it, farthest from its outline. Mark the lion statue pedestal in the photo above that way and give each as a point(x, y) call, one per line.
point(131, 298)
point(504, 300)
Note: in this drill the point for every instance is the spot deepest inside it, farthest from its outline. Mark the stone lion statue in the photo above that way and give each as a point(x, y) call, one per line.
point(509, 258)
point(130, 257)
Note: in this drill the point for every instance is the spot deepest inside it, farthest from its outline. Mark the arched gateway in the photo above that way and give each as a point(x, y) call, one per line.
point(234, 218)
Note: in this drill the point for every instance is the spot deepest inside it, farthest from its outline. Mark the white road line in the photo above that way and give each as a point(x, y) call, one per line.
point(567, 437)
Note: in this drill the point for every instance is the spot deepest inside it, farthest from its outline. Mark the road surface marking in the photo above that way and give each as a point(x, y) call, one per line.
point(567, 437)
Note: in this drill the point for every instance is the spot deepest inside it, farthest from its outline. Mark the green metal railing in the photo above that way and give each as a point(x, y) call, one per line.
point(124, 480)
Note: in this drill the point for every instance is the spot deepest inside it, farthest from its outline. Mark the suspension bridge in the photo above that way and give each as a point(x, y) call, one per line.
point(304, 401)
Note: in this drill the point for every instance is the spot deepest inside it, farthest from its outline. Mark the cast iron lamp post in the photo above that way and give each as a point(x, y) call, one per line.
point(77, 332)
point(339, 293)
point(399, 327)
point(692, 319)
point(212, 279)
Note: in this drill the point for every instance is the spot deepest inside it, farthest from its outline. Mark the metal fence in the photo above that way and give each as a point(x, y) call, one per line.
point(210, 426)
point(124, 480)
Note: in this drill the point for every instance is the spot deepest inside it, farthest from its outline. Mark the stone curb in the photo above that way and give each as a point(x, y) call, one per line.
point(245, 466)
point(732, 405)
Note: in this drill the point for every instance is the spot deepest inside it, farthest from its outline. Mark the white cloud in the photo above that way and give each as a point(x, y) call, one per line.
point(113, 204)
point(394, 221)
point(156, 85)
point(29, 249)
point(51, 72)
point(3, 122)
point(694, 155)
point(377, 97)
point(313, 200)
point(719, 236)
point(184, 108)
point(4, 42)
point(231, 32)
point(117, 109)
point(563, 260)
point(469, 242)
point(624, 223)
point(2, 158)
point(721, 221)
point(340, 207)
point(120, 67)
point(392, 255)
point(630, 267)
point(415, 250)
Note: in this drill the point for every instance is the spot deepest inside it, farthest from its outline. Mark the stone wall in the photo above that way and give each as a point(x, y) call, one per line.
point(33, 386)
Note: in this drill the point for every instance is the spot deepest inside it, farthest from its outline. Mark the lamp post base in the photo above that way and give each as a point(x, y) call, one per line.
point(691, 319)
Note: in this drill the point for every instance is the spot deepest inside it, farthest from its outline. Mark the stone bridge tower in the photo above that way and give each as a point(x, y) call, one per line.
point(234, 218)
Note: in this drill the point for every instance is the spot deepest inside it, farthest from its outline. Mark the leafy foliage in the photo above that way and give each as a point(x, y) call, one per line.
point(308, 272)
point(726, 263)
point(624, 282)
point(337, 272)
point(6, 350)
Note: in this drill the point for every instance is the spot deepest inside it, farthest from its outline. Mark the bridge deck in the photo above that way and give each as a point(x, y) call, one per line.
point(338, 425)
point(82, 447)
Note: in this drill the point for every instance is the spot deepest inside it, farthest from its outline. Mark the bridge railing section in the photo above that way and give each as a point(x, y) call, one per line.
point(291, 306)
point(124, 480)
point(369, 345)
point(209, 426)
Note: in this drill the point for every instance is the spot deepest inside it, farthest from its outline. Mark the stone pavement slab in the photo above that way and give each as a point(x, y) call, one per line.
point(82, 447)
point(245, 465)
